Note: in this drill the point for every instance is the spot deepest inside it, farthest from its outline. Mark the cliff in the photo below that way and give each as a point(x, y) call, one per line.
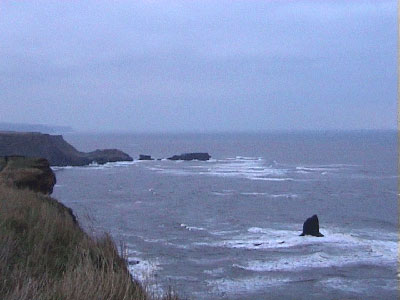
point(31, 173)
point(44, 253)
point(55, 149)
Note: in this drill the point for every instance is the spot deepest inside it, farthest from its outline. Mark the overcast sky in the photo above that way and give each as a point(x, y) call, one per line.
point(199, 65)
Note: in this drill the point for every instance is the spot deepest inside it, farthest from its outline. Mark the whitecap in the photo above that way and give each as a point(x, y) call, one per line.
point(321, 259)
point(182, 278)
point(247, 158)
point(288, 196)
point(334, 250)
point(243, 285)
point(221, 193)
point(253, 194)
point(155, 169)
point(271, 179)
point(223, 233)
point(96, 166)
point(211, 160)
point(305, 169)
point(284, 196)
point(357, 285)
point(190, 228)
point(214, 272)
point(314, 169)
point(56, 168)
point(252, 168)
point(145, 272)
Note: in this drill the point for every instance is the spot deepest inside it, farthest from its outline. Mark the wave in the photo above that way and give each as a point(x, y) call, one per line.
point(190, 228)
point(233, 287)
point(284, 196)
point(215, 272)
point(245, 167)
point(254, 194)
point(145, 271)
point(268, 195)
point(322, 259)
point(96, 166)
point(252, 168)
point(358, 285)
point(324, 169)
point(334, 250)
point(272, 179)
point(56, 168)
point(222, 193)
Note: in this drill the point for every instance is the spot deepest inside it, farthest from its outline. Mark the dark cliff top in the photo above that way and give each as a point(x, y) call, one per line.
point(22, 133)
point(55, 149)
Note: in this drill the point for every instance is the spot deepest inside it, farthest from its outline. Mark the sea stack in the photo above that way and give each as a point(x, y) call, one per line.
point(311, 227)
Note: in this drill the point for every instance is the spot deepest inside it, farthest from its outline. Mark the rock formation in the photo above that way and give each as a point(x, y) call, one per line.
point(145, 157)
point(55, 149)
point(311, 227)
point(107, 155)
point(191, 156)
point(32, 173)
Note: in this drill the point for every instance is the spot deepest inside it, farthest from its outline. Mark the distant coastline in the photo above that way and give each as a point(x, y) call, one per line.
point(55, 149)
point(26, 127)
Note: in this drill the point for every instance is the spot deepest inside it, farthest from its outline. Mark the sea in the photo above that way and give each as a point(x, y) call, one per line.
point(228, 228)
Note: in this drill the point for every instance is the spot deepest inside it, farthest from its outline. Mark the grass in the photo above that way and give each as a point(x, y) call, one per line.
point(45, 255)
point(17, 162)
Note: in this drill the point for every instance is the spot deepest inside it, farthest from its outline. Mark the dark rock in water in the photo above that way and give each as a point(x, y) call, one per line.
point(31, 173)
point(107, 155)
point(191, 156)
point(145, 157)
point(55, 149)
point(311, 227)
point(257, 244)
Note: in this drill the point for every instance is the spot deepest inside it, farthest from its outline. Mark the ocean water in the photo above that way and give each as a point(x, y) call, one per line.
point(229, 228)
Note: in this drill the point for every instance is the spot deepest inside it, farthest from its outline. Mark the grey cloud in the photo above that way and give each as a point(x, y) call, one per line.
point(199, 65)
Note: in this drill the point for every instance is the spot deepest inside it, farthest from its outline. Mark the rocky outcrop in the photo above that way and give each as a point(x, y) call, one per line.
point(191, 156)
point(311, 227)
point(107, 155)
point(55, 149)
point(145, 157)
point(31, 173)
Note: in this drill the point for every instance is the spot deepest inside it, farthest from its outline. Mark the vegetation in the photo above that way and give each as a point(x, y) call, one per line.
point(45, 255)
point(18, 162)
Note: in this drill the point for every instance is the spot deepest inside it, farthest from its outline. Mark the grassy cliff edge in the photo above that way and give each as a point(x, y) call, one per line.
point(44, 254)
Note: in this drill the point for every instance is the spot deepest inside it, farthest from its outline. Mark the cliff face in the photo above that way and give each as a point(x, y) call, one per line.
point(55, 149)
point(44, 253)
point(31, 173)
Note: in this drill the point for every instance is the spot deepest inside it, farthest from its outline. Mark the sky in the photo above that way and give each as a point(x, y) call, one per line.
point(199, 66)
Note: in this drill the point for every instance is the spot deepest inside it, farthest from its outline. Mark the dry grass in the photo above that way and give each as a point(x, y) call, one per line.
point(45, 255)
